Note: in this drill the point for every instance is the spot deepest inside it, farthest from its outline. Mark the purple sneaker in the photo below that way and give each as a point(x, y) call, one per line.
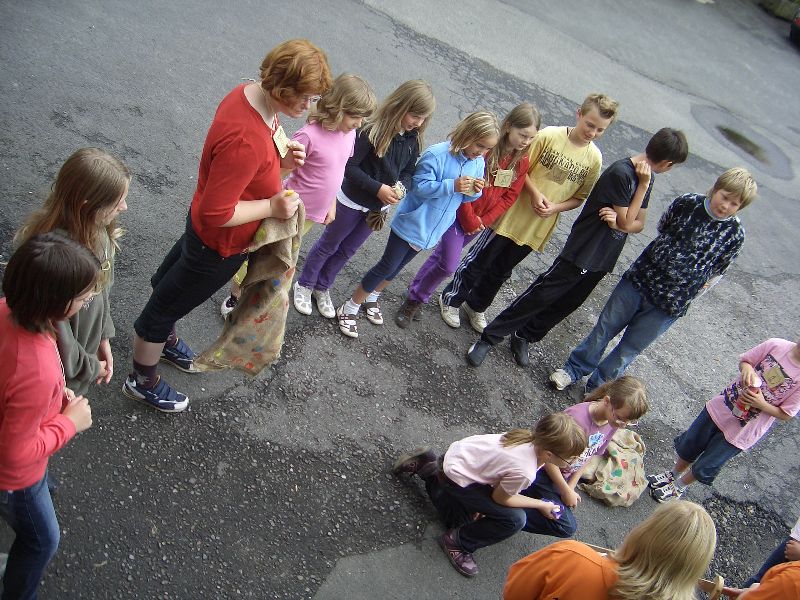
point(413, 462)
point(463, 562)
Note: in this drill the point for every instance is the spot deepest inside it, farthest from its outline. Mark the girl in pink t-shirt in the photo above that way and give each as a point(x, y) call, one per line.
point(734, 420)
point(614, 404)
point(328, 138)
point(479, 491)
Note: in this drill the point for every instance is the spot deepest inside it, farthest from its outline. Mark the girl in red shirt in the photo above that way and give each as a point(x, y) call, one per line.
point(48, 279)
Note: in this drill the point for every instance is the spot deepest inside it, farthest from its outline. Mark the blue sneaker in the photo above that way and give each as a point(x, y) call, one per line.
point(180, 356)
point(161, 397)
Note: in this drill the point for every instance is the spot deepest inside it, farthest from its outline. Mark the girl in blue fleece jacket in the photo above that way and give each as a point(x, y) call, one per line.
point(446, 175)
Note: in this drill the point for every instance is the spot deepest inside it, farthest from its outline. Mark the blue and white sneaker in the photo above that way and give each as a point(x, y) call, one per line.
point(180, 356)
point(161, 397)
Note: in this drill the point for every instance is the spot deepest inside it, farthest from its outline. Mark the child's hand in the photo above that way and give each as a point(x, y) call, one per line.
point(80, 413)
point(609, 215)
point(463, 184)
point(643, 172)
point(102, 373)
point(284, 204)
point(748, 374)
point(295, 157)
point(104, 354)
point(387, 195)
point(478, 184)
point(545, 209)
point(329, 218)
point(550, 510)
point(754, 399)
point(571, 498)
point(792, 550)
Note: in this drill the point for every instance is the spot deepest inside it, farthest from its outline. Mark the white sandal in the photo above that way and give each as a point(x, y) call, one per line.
point(373, 312)
point(302, 299)
point(347, 323)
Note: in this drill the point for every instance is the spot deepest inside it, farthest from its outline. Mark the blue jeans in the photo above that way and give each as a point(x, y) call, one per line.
point(543, 488)
point(29, 512)
point(777, 557)
point(626, 309)
point(398, 254)
point(705, 446)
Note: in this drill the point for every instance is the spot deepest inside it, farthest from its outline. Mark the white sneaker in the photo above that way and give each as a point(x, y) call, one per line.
point(476, 319)
point(302, 299)
point(324, 303)
point(561, 379)
point(449, 314)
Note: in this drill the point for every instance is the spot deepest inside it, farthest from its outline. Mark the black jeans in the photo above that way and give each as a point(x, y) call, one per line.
point(550, 299)
point(189, 275)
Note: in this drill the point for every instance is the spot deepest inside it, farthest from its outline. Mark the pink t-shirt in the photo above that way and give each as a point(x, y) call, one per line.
point(482, 459)
point(780, 385)
point(318, 180)
point(599, 435)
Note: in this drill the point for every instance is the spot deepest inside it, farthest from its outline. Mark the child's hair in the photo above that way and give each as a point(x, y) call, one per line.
point(668, 144)
point(89, 182)
point(350, 94)
point(475, 126)
point(416, 97)
point(521, 116)
point(606, 107)
point(43, 276)
point(737, 181)
point(663, 557)
point(625, 391)
point(294, 68)
point(557, 432)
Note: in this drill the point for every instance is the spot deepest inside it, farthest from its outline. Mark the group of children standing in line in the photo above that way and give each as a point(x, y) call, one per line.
point(502, 184)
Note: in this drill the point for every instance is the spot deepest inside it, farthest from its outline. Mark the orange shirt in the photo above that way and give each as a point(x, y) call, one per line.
point(566, 570)
point(781, 582)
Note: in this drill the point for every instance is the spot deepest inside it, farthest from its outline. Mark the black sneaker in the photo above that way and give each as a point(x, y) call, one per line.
point(407, 313)
point(477, 353)
point(161, 397)
point(180, 356)
point(519, 348)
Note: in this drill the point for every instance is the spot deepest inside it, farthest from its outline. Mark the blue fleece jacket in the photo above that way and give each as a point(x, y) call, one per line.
point(429, 208)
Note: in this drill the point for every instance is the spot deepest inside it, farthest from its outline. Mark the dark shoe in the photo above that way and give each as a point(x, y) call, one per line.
point(161, 397)
point(179, 356)
point(519, 348)
point(415, 462)
point(477, 352)
point(463, 562)
point(406, 313)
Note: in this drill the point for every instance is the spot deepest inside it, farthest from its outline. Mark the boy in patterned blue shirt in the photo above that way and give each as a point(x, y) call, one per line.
point(698, 238)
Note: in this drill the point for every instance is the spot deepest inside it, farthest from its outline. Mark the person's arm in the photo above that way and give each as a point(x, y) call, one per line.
point(503, 498)
point(565, 489)
point(78, 364)
point(469, 221)
point(727, 256)
point(757, 400)
point(410, 165)
point(429, 180)
point(630, 218)
point(354, 171)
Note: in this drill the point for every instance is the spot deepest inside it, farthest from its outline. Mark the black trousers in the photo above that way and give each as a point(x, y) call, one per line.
point(485, 268)
point(551, 298)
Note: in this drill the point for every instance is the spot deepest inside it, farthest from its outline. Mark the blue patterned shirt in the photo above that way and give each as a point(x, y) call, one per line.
point(690, 249)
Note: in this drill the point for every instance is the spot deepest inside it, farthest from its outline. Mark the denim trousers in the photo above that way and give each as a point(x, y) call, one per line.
point(397, 254)
point(704, 445)
point(543, 488)
point(626, 309)
point(337, 244)
point(442, 263)
point(30, 514)
point(777, 557)
point(188, 276)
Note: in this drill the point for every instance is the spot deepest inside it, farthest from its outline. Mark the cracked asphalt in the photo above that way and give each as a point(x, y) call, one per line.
point(279, 486)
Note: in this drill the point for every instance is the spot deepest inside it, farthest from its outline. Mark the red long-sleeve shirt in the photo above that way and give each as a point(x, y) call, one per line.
point(31, 400)
point(239, 162)
point(494, 201)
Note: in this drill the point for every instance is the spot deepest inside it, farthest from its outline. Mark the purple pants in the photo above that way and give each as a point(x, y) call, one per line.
point(441, 264)
point(337, 244)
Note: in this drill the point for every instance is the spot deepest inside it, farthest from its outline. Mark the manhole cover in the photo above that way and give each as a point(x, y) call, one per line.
point(734, 134)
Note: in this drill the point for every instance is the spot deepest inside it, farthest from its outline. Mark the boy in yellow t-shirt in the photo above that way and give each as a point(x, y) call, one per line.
point(564, 166)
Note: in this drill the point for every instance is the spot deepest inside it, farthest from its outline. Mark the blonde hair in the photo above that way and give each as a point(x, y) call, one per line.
point(626, 391)
point(475, 126)
point(521, 116)
point(557, 432)
point(737, 180)
point(89, 182)
point(663, 557)
point(606, 107)
point(350, 95)
point(416, 97)
point(294, 68)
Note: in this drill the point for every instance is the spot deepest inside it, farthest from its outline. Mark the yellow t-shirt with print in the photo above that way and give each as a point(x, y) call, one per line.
point(560, 170)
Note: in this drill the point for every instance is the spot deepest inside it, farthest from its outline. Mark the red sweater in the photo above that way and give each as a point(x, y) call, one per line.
point(31, 400)
point(494, 201)
point(239, 162)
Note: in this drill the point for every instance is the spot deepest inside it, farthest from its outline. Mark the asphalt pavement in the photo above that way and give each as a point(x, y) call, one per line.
point(279, 486)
